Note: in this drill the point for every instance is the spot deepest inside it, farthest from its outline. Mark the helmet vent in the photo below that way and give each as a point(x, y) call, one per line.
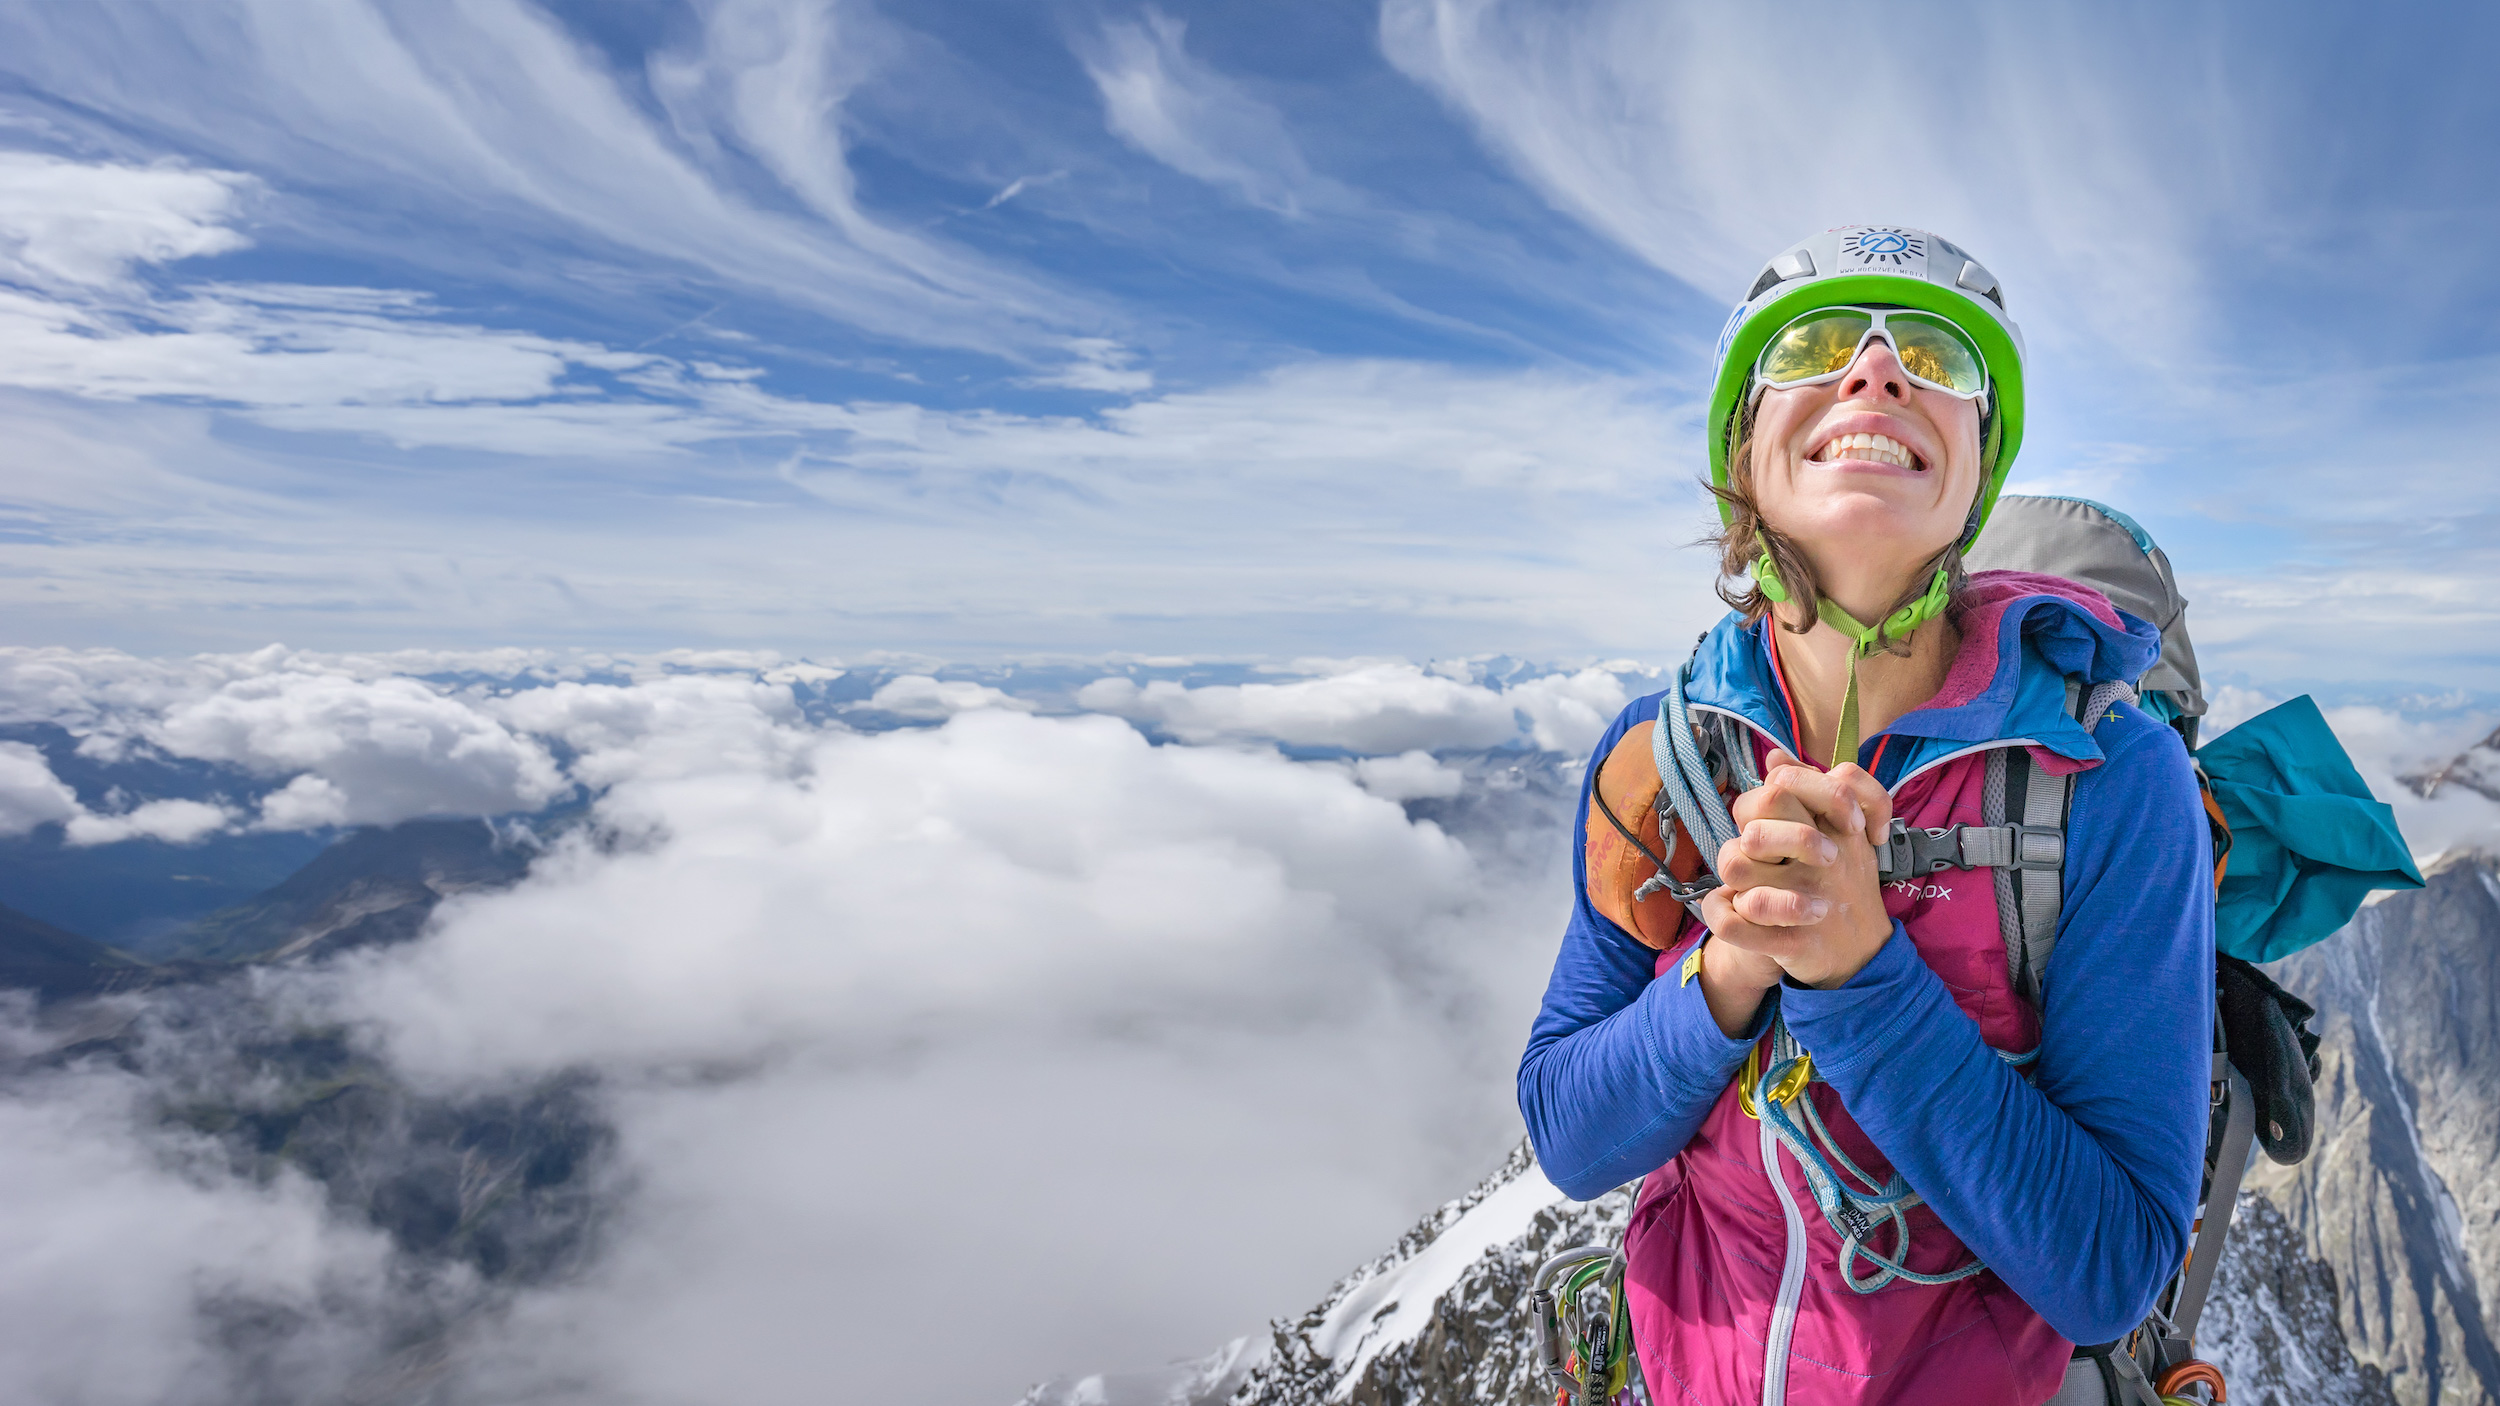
point(1796, 263)
point(1981, 282)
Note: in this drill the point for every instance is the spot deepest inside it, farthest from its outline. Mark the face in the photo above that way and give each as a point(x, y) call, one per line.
point(1853, 503)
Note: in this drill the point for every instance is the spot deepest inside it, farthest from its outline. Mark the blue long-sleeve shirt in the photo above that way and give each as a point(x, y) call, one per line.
point(2076, 1186)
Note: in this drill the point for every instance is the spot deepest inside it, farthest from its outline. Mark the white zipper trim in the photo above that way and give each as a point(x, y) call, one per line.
point(1792, 1278)
point(1967, 751)
point(1894, 789)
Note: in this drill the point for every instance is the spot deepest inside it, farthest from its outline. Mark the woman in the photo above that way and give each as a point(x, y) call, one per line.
point(2043, 1152)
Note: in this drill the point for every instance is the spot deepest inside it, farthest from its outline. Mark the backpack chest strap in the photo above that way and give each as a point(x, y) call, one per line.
point(1912, 851)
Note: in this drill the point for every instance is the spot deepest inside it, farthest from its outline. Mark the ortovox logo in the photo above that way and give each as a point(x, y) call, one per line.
point(1885, 250)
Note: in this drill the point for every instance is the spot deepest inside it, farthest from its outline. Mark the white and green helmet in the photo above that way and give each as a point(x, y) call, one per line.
point(1884, 265)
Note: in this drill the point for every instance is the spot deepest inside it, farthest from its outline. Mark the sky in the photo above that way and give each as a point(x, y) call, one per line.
point(993, 543)
point(996, 330)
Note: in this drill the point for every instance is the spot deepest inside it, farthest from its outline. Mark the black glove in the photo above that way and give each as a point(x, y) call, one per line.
point(2267, 1031)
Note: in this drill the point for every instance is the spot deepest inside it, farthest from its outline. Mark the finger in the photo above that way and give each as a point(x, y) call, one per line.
point(1781, 841)
point(1777, 797)
point(1739, 870)
point(1872, 800)
point(1779, 908)
point(1803, 794)
point(1727, 924)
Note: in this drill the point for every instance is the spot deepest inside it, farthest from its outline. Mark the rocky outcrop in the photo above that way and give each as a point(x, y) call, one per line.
point(1443, 1316)
point(2398, 1198)
point(2273, 1324)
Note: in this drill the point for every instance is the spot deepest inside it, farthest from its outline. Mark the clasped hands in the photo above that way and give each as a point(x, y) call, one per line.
point(1799, 894)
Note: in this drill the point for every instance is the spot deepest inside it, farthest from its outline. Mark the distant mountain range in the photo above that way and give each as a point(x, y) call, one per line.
point(371, 886)
point(2365, 1275)
point(34, 955)
point(479, 1191)
point(2476, 769)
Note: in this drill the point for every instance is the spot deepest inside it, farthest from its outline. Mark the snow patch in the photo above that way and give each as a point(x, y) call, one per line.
point(1396, 1304)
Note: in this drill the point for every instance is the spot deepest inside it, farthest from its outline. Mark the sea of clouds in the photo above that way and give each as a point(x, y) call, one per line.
point(955, 1027)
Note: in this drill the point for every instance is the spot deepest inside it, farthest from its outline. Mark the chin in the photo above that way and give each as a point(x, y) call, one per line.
point(1847, 518)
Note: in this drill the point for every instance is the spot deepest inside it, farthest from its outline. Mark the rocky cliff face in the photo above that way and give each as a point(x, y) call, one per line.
point(2398, 1198)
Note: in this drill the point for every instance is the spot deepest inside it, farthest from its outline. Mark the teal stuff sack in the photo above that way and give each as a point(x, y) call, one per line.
point(2308, 841)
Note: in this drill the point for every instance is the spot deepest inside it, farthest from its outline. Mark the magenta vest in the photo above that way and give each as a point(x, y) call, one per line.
point(1709, 1236)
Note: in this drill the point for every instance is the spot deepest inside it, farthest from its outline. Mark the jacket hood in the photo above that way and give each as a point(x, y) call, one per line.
point(2023, 636)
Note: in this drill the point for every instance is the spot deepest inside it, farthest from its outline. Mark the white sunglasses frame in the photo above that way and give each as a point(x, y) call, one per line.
point(1876, 316)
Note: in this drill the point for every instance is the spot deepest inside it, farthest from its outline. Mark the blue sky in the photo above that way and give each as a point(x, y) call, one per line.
point(994, 329)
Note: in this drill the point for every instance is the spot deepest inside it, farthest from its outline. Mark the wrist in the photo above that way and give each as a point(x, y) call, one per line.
point(1848, 960)
point(1733, 983)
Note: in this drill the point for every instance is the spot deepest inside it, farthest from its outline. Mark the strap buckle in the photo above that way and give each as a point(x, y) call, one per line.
point(1911, 850)
point(2039, 846)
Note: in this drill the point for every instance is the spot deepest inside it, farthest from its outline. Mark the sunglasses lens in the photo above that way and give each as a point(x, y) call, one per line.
point(1817, 344)
point(1936, 353)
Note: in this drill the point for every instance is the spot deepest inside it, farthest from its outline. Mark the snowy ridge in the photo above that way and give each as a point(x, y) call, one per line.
point(1391, 1305)
point(1442, 1317)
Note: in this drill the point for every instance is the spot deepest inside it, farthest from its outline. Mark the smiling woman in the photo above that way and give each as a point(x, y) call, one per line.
point(2005, 1160)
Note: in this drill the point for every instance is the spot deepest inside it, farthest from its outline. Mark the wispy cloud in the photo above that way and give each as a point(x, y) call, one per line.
point(87, 223)
point(1185, 114)
point(738, 176)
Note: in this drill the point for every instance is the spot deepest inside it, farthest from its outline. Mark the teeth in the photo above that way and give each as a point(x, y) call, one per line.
point(1880, 448)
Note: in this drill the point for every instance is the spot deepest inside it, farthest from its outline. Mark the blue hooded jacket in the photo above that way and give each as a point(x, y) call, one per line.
point(2076, 1185)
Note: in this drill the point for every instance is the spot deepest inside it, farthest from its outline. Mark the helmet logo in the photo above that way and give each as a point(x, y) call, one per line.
point(1885, 251)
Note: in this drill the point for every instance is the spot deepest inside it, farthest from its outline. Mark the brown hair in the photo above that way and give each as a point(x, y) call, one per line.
point(1746, 537)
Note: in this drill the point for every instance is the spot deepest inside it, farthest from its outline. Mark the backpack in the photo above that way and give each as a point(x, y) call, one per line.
point(2312, 842)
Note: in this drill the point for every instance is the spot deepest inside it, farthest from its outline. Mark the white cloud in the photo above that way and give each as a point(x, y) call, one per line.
point(1381, 707)
point(85, 224)
point(30, 795)
point(249, 347)
point(922, 696)
point(1408, 776)
point(1101, 364)
point(664, 726)
point(177, 822)
point(1176, 109)
point(360, 752)
point(1567, 713)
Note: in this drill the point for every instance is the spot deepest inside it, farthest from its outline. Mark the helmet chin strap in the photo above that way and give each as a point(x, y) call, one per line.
point(1865, 639)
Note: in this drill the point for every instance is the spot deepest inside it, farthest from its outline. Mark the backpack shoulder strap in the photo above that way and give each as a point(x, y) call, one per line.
point(2032, 890)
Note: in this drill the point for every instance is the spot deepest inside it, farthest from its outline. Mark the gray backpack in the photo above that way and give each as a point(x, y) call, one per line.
point(2104, 548)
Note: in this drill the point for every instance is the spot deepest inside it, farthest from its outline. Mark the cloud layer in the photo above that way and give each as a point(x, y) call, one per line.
point(1006, 997)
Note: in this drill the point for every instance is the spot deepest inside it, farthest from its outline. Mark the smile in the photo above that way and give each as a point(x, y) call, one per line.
point(1881, 449)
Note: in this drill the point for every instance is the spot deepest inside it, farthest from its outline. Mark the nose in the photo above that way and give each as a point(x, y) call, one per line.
point(1877, 374)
